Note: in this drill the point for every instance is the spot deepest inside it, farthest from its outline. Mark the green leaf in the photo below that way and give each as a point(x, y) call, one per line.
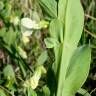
point(73, 23)
point(73, 26)
point(6, 12)
point(78, 70)
point(67, 30)
point(42, 58)
point(1, 5)
point(57, 34)
point(9, 72)
point(22, 67)
point(49, 7)
point(51, 42)
point(62, 8)
point(83, 92)
point(46, 91)
point(31, 92)
point(9, 75)
point(3, 93)
point(56, 30)
point(10, 37)
point(2, 32)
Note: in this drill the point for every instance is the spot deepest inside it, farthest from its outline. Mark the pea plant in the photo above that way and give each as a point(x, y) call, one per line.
point(72, 63)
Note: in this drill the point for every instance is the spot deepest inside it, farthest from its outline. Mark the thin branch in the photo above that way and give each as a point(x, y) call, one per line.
point(91, 17)
point(3, 88)
point(93, 91)
point(90, 33)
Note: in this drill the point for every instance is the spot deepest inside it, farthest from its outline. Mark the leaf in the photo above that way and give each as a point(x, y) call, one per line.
point(6, 12)
point(46, 91)
point(51, 42)
point(56, 30)
point(83, 92)
point(8, 72)
point(10, 76)
point(62, 8)
point(42, 58)
point(73, 23)
point(73, 26)
point(31, 92)
point(1, 5)
point(22, 67)
point(65, 29)
point(10, 37)
point(78, 70)
point(57, 34)
point(3, 93)
point(49, 7)
point(2, 32)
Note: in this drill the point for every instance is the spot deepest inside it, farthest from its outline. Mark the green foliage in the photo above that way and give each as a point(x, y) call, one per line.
point(73, 30)
point(42, 58)
point(64, 39)
point(46, 91)
point(10, 37)
point(9, 75)
point(80, 63)
point(27, 68)
point(31, 92)
point(8, 72)
point(14, 48)
point(83, 92)
point(3, 93)
point(49, 7)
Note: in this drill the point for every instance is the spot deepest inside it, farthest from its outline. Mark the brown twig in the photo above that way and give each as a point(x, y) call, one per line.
point(91, 17)
point(93, 90)
point(90, 33)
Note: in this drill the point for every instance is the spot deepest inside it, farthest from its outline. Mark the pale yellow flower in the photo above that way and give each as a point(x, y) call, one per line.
point(22, 53)
point(25, 39)
point(34, 80)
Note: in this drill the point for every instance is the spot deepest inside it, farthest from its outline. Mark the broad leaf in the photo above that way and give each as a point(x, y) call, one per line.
point(78, 70)
point(10, 37)
point(62, 8)
point(49, 7)
point(66, 29)
point(8, 72)
point(73, 25)
point(2, 32)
